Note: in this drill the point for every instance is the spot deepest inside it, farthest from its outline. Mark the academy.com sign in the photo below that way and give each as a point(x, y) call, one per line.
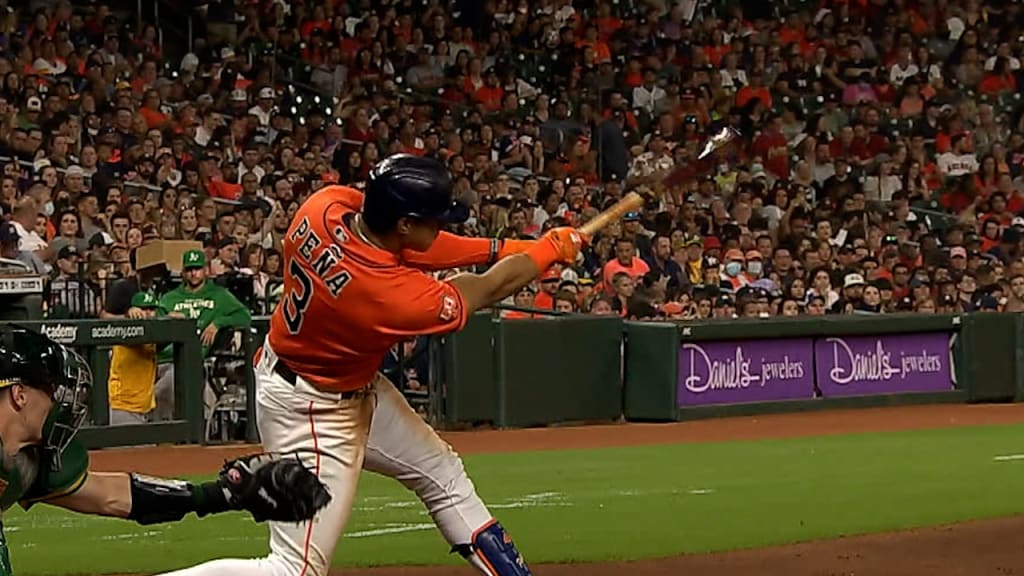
point(117, 331)
point(68, 333)
point(60, 333)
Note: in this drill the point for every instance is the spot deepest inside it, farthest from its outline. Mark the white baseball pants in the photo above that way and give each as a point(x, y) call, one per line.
point(337, 438)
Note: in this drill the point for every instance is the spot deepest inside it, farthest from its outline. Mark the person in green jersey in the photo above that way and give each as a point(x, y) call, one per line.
point(212, 306)
point(44, 392)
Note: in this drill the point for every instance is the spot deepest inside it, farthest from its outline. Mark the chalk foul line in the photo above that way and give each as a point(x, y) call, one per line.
point(396, 529)
point(1009, 457)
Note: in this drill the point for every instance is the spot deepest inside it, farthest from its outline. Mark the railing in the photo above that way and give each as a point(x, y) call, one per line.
point(95, 338)
point(579, 368)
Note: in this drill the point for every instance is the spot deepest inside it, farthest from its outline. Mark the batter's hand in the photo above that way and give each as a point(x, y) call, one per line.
point(568, 241)
point(273, 487)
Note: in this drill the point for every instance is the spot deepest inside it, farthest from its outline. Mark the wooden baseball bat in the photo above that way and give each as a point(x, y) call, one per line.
point(630, 203)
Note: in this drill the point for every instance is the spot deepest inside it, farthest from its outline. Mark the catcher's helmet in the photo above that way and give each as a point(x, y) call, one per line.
point(32, 359)
point(404, 186)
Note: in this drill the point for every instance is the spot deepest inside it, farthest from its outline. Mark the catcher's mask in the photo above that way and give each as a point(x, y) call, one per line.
point(32, 359)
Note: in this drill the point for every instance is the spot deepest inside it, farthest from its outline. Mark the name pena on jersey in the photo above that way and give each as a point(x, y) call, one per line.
point(325, 262)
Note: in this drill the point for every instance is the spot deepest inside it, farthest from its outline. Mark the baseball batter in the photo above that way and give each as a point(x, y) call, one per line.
point(354, 287)
point(44, 387)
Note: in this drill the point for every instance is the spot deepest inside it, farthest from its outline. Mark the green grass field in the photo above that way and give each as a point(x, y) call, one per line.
point(610, 504)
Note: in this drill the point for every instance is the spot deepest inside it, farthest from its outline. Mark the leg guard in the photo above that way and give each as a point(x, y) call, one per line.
point(493, 552)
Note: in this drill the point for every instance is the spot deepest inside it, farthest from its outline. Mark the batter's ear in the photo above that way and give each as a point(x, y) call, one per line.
point(404, 225)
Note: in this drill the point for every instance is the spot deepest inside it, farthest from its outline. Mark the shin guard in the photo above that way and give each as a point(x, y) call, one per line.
point(493, 552)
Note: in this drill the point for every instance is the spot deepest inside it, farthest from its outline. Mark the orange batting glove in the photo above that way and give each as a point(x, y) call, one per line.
point(557, 245)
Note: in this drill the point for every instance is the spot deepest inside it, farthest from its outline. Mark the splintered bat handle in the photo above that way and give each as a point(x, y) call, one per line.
point(630, 203)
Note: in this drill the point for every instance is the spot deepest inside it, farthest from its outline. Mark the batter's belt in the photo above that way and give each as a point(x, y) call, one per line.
point(289, 376)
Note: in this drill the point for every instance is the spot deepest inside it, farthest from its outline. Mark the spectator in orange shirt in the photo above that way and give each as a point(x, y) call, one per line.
point(755, 89)
point(491, 93)
point(625, 261)
point(1000, 80)
point(545, 299)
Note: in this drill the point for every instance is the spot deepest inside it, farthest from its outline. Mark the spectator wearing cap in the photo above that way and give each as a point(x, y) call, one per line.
point(853, 293)
point(692, 260)
point(725, 308)
point(70, 295)
point(264, 105)
point(130, 385)
point(732, 277)
point(549, 282)
point(625, 262)
point(633, 229)
point(753, 268)
point(213, 308)
point(816, 306)
point(523, 299)
point(958, 259)
point(9, 250)
point(920, 288)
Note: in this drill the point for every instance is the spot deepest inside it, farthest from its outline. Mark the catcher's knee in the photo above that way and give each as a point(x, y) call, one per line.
point(493, 552)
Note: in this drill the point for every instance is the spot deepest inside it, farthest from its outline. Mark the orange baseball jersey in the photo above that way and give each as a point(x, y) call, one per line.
point(346, 302)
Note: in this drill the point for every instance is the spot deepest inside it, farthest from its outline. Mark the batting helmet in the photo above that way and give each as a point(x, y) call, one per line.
point(403, 186)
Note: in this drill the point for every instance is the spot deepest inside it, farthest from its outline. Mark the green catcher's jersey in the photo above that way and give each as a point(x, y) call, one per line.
point(29, 477)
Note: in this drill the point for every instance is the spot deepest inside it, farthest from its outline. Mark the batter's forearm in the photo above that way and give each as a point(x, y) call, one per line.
point(501, 281)
point(452, 251)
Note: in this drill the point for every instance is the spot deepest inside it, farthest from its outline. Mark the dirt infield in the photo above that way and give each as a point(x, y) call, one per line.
point(973, 548)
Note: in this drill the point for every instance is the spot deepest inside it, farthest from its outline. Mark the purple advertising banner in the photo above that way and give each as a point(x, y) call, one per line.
point(745, 371)
point(893, 364)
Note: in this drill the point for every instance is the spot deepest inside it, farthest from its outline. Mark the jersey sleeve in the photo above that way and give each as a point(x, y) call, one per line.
point(429, 307)
point(349, 197)
point(452, 251)
point(54, 483)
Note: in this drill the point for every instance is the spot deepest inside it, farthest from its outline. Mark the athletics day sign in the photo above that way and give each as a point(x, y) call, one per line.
point(875, 365)
point(745, 371)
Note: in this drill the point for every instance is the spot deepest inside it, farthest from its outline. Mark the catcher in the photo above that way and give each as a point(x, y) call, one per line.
point(44, 389)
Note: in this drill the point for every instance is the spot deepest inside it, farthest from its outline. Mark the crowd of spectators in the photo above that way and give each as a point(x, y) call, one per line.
point(879, 169)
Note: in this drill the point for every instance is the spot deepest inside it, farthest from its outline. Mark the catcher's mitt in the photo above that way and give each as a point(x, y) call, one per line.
point(273, 487)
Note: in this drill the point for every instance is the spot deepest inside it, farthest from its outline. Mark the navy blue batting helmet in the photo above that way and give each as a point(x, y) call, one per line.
point(404, 186)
